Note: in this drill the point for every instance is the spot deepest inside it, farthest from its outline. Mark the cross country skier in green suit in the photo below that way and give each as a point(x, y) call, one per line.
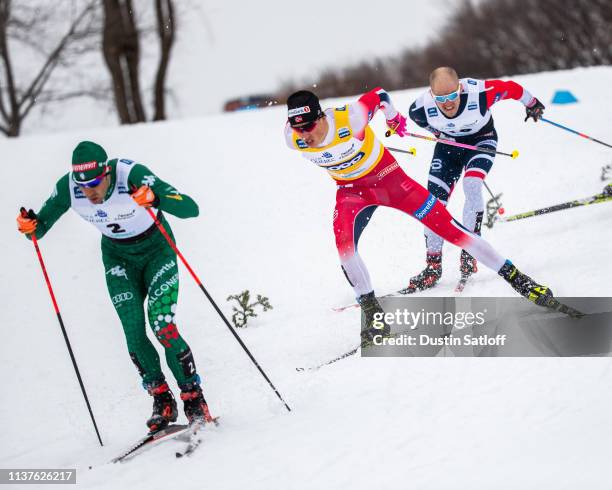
point(113, 195)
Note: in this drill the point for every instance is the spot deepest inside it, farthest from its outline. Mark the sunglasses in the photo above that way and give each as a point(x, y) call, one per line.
point(306, 128)
point(94, 182)
point(451, 97)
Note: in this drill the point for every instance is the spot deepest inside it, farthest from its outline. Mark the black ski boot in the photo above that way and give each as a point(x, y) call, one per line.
point(468, 264)
point(371, 326)
point(164, 407)
point(428, 278)
point(525, 286)
point(194, 404)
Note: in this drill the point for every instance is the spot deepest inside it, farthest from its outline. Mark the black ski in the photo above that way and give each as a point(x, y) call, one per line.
point(556, 305)
point(346, 354)
point(331, 361)
point(150, 440)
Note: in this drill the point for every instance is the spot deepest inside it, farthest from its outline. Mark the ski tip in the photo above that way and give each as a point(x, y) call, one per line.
point(413, 151)
point(515, 154)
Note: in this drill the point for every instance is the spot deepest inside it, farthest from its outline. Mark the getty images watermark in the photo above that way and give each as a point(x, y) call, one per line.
point(457, 320)
point(493, 327)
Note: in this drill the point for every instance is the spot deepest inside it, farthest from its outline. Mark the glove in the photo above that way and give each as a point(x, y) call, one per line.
point(398, 125)
point(144, 196)
point(26, 221)
point(535, 110)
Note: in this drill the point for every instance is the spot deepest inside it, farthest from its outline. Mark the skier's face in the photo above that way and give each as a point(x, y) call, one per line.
point(96, 194)
point(316, 135)
point(447, 86)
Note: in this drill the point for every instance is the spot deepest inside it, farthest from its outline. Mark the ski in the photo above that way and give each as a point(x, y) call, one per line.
point(331, 361)
point(356, 305)
point(606, 195)
point(344, 355)
point(556, 305)
point(150, 440)
point(461, 284)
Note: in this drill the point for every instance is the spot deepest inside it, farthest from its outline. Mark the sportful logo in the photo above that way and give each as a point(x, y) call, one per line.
point(164, 268)
point(425, 208)
point(83, 167)
point(117, 271)
point(301, 143)
point(472, 106)
point(432, 112)
point(299, 110)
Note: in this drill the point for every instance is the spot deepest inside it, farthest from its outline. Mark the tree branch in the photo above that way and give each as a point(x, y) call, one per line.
point(29, 96)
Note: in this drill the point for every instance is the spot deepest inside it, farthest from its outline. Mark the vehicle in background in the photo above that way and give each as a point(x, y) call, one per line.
point(250, 102)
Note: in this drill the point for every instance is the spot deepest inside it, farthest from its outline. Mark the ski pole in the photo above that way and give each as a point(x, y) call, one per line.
point(168, 238)
point(500, 209)
point(31, 215)
point(574, 131)
point(411, 151)
point(512, 155)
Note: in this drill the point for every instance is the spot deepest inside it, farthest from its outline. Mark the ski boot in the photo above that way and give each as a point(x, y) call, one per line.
point(468, 265)
point(428, 278)
point(370, 326)
point(525, 286)
point(164, 407)
point(194, 404)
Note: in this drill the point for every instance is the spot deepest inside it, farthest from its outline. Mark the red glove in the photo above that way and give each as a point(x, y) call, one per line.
point(144, 196)
point(26, 221)
point(397, 125)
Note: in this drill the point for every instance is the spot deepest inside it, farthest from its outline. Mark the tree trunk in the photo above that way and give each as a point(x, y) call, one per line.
point(9, 111)
point(165, 30)
point(121, 53)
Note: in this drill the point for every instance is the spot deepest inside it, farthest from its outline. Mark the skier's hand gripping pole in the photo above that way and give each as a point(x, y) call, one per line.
point(170, 241)
point(31, 216)
point(512, 155)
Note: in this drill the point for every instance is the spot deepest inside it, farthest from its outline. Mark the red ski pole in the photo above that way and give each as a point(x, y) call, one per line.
point(31, 215)
point(170, 241)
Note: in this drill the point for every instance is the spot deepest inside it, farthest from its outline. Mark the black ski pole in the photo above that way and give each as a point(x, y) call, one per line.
point(31, 215)
point(168, 238)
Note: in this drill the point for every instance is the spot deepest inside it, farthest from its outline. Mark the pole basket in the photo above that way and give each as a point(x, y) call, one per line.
point(493, 207)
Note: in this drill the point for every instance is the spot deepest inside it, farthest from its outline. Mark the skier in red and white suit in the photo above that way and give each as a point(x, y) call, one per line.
point(459, 110)
point(366, 174)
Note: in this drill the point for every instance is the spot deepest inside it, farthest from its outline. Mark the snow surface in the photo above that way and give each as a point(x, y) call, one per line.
point(265, 225)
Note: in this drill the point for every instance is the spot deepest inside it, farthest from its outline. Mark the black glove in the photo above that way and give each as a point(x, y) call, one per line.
point(536, 111)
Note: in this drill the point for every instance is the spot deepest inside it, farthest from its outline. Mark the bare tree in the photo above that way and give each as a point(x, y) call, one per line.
point(17, 100)
point(166, 26)
point(121, 47)
point(122, 54)
point(489, 38)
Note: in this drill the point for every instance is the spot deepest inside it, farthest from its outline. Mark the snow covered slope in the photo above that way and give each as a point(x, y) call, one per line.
point(265, 225)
